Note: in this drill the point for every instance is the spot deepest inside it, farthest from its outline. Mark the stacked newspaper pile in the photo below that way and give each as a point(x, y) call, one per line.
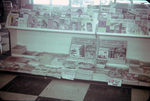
point(19, 49)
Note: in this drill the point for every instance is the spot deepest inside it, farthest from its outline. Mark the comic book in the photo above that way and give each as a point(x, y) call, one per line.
point(13, 19)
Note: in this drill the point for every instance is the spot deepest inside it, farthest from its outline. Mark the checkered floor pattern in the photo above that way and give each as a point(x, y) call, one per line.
point(37, 88)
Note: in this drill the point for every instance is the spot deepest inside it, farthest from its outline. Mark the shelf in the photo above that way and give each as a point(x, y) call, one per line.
point(51, 30)
point(122, 35)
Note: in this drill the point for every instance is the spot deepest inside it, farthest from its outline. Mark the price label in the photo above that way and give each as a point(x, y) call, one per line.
point(101, 29)
point(114, 82)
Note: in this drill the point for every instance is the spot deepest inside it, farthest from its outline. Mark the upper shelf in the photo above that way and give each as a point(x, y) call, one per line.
point(122, 35)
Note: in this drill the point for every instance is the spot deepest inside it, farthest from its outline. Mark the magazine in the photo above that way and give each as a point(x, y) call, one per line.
point(75, 24)
point(13, 19)
point(144, 78)
point(32, 21)
point(130, 77)
point(112, 49)
point(65, 21)
point(83, 47)
point(54, 21)
point(58, 59)
point(115, 25)
point(77, 50)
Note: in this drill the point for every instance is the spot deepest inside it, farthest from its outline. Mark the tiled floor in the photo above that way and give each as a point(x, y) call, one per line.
point(38, 88)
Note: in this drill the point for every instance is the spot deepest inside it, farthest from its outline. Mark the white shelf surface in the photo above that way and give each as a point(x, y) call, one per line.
point(122, 35)
point(51, 30)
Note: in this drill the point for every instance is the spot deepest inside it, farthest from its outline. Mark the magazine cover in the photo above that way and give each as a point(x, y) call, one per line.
point(83, 47)
point(90, 51)
point(77, 50)
point(101, 63)
point(103, 53)
point(111, 49)
point(12, 59)
point(132, 62)
point(70, 64)
point(32, 21)
point(144, 78)
point(114, 73)
point(135, 70)
point(39, 23)
point(87, 23)
point(65, 21)
point(75, 24)
point(22, 22)
point(58, 59)
point(146, 71)
point(115, 25)
point(54, 21)
point(13, 19)
point(130, 76)
point(120, 53)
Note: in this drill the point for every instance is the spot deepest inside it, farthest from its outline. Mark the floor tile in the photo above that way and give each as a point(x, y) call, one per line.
point(5, 78)
point(49, 99)
point(26, 85)
point(139, 95)
point(107, 93)
point(63, 89)
point(16, 96)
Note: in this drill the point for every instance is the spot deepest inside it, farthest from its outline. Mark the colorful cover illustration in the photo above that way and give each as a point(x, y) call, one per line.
point(120, 53)
point(75, 24)
point(13, 19)
point(77, 50)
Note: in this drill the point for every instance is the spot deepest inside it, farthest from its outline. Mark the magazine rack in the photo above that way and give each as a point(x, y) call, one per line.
point(58, 41)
